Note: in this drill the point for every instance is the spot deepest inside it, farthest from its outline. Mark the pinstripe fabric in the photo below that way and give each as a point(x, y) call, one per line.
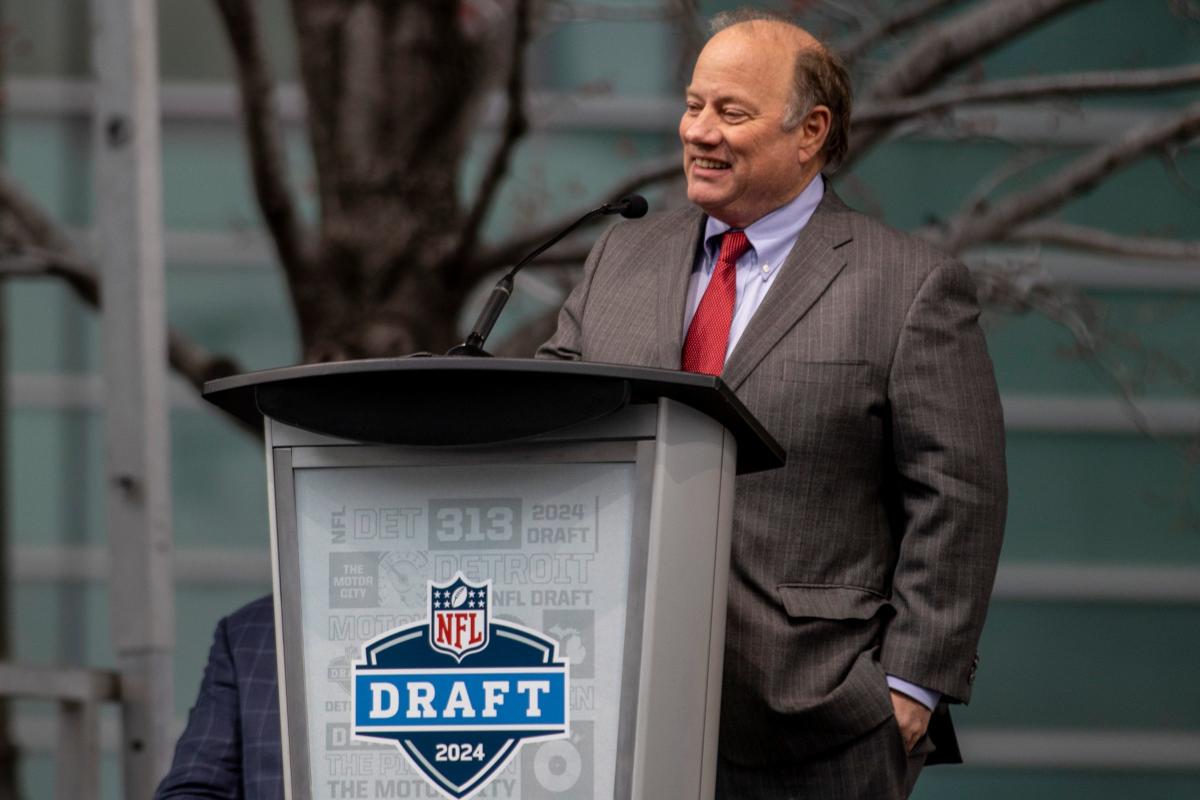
point(874, 766)
point(875, 547)
point(231, 745)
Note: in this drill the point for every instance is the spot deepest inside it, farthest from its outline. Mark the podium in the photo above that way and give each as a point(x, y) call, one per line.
point(499, 578)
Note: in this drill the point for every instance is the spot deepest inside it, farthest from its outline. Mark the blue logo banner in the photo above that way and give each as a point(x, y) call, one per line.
point(460, 693)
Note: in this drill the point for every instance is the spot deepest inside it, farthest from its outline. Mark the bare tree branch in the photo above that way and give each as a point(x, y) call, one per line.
point(559, 12)
point(979, 197)
point(667, 168)
point(854, 46)
point(1187, 9)
point(1024, 287)
point(36, 225)
point(1027, 288)
point(657, 171)
point(1075, 179)
point(1186, 186)
point(1082, 237)
point(835, 12)
point(516, 123)
point(947, 46)
point(189, 359)
point(264, 135)
point(968, 36)
point(197, 364)
point(39, 248)
point(1104, 82)
point(689, 35)
point(33, 262)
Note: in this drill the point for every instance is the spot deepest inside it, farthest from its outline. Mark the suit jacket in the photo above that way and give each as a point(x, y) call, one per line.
point(874, 549)
point(231, 745)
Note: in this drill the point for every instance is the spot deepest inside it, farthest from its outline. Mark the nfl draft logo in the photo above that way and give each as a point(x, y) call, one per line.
point(459, 693)
point(458, 619)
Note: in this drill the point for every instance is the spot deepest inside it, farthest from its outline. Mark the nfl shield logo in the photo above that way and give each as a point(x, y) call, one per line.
point(459, 613)
point(460, 693)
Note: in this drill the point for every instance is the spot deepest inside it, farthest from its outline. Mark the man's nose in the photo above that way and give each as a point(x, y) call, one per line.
point(701, 130)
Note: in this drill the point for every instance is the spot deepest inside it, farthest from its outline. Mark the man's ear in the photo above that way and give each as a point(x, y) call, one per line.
point(814, 129)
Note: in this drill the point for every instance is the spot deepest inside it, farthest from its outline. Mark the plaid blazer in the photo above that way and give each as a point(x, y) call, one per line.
point(231, 746)
point(873, 551)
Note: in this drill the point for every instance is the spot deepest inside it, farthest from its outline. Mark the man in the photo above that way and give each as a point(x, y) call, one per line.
point(861, 570)
point(231, 745)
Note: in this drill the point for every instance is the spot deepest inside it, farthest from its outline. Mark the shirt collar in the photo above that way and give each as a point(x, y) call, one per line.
point(771, 236)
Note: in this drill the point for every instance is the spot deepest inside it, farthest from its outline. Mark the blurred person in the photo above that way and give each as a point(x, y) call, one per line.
point(231, 745)
point(862, 569)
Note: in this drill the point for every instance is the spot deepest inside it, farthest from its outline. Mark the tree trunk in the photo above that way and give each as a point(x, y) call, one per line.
point(392, 92)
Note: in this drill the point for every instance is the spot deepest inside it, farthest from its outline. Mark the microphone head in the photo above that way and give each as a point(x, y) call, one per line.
point(633, 206)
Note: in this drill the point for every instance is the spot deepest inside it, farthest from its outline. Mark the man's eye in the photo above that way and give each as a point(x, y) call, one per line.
point(732, 115)
point(694, 108)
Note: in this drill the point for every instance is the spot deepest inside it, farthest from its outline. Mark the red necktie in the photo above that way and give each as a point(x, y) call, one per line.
point(708, 336)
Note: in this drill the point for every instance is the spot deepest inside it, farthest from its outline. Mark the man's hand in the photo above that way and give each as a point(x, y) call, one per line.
point(912, 717)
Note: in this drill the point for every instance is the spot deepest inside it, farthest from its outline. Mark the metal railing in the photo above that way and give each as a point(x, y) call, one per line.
point(79, 694)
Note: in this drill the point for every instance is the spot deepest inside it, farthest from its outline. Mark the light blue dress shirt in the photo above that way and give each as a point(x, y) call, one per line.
point(771, 239)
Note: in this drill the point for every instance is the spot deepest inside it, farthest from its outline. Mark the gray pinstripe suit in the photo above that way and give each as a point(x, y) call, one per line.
point(873, 551)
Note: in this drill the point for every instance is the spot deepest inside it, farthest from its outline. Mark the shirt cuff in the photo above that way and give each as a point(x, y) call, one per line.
point(926, 697)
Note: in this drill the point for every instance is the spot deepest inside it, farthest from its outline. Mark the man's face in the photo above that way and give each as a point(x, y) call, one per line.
point(740, 163)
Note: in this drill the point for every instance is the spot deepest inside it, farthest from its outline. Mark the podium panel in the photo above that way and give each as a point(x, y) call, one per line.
point(553, 536)
point(576, 535)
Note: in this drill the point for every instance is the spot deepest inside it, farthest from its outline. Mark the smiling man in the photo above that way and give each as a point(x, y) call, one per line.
point(746, 152)
point(861, 570)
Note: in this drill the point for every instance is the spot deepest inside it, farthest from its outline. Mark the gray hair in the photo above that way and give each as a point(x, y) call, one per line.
point(819, 79)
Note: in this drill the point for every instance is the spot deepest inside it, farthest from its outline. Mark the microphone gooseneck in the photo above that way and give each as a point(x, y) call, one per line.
point(630, 207)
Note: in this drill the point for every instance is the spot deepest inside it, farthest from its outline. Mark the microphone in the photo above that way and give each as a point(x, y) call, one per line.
point(630, 207)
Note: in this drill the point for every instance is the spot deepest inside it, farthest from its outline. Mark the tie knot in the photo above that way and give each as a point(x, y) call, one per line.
point(734, 245)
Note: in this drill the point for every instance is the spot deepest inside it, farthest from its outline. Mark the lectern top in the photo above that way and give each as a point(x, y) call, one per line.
point(465, 401)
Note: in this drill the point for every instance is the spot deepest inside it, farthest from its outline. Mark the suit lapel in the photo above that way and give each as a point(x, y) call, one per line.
point(679, 256)
point(813, 263)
